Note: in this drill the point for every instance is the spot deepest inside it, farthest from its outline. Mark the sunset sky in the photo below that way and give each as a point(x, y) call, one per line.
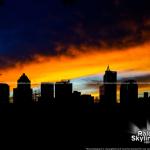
point(51, 40)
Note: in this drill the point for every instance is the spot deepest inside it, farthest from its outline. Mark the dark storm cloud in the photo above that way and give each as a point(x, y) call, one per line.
point(69, 2)
point(1, 2)
point(114, 23)
point(39, 27)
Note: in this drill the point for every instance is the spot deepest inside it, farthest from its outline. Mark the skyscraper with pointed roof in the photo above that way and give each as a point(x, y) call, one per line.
point(109, 87)
point(23, 93)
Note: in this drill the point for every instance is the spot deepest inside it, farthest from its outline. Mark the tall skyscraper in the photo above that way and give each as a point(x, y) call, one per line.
point(4, 93)
point(23, 93)
point(63, 91)
point(47, 93)
point(109, 88)
point(129, 92)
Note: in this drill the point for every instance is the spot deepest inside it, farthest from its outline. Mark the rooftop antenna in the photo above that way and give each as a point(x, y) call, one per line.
point(108, 68)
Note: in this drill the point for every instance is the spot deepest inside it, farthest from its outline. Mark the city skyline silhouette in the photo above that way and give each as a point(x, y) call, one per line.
point(48, 91)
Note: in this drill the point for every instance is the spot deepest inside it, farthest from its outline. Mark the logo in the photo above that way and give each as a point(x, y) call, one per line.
point(140, 135)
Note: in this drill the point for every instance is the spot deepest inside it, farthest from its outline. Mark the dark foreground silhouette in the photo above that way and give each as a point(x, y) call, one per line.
point(82, 126)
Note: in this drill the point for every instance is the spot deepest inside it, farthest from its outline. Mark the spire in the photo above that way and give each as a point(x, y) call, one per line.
point(108, 69)
point(23, 78)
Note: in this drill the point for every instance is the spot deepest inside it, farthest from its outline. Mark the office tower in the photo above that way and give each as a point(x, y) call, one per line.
point(63, 92)
point(47, 93)
point(129, 92)
point(4, 93)
point(63, 89)
point(23, 93)
point(87, 100)
point(109, 88)
point(145, 95)
point(76, 99)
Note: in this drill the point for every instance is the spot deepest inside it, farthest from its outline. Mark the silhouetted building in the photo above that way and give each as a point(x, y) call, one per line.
point(101, 93)
point(63, 91)
point(146, 99)
point(76, 94)
point(47, 93)
point(76, 98)
point(145, 95)
point(129, 92)
point(87, 100)
point(4, 93)
point(109, 88)
point(23, 93)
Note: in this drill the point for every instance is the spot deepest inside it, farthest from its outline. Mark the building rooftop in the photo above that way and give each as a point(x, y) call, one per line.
point(23, 78)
